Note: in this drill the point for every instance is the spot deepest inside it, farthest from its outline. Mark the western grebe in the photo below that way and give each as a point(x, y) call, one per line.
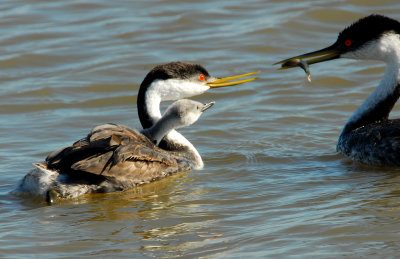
point(114, 157)
point(369, 136)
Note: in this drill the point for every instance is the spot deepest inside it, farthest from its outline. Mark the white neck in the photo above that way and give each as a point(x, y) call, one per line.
point(380, 102)
point(172, 89)
point(385, 88)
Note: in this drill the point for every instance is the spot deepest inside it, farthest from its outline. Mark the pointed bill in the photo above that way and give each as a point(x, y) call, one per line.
point(207, 106)
point(329, 53)
point(226, 81)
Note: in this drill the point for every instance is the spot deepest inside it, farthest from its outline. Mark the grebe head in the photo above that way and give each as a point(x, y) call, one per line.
point(187, 112)
point(177, 80)
point(174, 81)
point(374, 37)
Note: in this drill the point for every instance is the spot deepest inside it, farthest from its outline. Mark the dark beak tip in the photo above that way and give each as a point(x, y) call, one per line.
point(207, 106)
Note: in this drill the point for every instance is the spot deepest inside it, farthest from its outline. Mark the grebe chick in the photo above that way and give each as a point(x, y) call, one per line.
point(106, 161)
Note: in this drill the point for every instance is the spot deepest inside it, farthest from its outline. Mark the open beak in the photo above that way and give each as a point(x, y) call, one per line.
point(221, 82)
point(329, 53)
point(207, 106)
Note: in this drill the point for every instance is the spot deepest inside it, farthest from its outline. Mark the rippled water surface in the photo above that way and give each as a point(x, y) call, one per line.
point(272, 184)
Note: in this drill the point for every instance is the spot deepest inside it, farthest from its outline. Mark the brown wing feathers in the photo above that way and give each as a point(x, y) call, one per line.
point(116, 151)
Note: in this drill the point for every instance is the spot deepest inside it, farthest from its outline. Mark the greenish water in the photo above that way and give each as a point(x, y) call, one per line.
point(272, 185)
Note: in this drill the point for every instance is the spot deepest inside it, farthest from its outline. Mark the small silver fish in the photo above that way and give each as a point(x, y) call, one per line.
point(300, 63)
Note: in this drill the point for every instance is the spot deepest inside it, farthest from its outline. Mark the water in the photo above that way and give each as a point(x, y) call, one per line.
point(272, 185)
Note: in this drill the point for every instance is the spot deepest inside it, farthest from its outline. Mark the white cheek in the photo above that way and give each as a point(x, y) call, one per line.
point(369, 51)
point(383, 49)
point(174, 89)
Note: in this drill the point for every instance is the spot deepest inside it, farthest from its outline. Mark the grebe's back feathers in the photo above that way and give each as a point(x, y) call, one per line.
point(376, 143)
point(117, 152)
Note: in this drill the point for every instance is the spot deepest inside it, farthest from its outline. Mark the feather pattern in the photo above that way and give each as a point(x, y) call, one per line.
point(118, 152)
point(375, 144)
point(112, 157)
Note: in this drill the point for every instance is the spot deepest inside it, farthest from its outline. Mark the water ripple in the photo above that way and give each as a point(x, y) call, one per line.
point(272, 185)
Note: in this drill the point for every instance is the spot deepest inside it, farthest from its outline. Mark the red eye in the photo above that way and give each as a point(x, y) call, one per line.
point(201, 77)
point(348, 43)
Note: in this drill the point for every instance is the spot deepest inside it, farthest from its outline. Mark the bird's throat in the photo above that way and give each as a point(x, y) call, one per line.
point(381, 101)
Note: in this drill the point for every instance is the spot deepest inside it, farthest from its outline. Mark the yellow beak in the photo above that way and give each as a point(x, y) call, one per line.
point(221, 82)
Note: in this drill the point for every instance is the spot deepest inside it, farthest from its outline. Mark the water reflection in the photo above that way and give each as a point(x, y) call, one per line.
point(273, 185)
